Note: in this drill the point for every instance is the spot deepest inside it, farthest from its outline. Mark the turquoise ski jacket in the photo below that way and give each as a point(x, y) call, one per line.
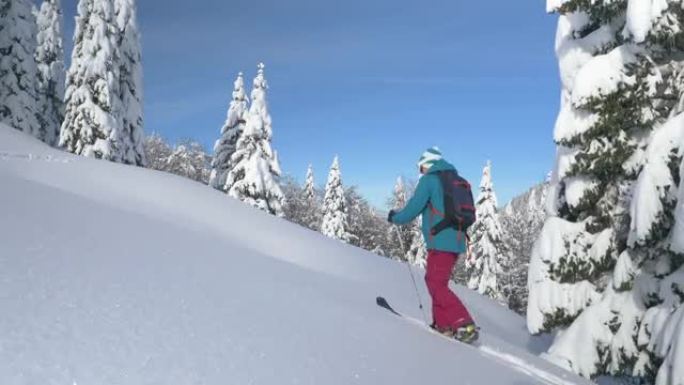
point(428, 201)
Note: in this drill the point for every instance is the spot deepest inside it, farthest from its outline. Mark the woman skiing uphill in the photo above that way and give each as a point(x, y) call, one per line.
point(445, 240)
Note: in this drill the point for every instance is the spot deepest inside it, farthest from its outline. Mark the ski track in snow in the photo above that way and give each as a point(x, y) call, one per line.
point(5, 156)
point(523, 366)
point(508, 359)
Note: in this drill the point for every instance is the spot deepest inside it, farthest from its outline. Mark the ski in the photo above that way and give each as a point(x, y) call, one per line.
point(382, 302)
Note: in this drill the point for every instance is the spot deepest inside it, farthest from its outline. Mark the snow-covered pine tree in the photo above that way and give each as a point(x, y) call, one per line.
point(294, 208)
point(189, 160)
point(19, 103)
point(335, 220)
point(92, 123)
point(254, 176)
point(357, 214)
point(310, 198)
point(460, 273)
point(225, 146)
point(366, 228)
point(309, 190)
point(522, 220)
point(483, 266)
point(402, 237)
point(157, 152)
point(417, 253)
point(130, 82)
point(49, 58)
point(301, 202)
point(607, 269)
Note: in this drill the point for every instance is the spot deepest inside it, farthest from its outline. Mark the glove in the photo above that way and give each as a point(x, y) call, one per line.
point(390, 216)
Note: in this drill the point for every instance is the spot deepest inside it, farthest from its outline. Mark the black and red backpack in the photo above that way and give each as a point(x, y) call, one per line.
point(459, 207)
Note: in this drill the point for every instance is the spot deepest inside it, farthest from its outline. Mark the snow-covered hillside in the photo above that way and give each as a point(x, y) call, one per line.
point(113, 274)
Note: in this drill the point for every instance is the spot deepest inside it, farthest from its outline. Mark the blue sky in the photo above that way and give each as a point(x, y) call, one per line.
point(374, 81)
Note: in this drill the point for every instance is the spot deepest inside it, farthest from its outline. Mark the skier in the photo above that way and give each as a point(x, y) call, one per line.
point(444, 243)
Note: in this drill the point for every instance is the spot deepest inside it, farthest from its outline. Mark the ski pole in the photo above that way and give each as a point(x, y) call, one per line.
point(413, 279)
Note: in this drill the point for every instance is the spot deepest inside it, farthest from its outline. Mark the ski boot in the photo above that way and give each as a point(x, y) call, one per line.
point(446, 332)
point(467, 333)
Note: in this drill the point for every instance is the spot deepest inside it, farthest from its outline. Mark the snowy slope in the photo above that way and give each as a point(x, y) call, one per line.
point(112, 274)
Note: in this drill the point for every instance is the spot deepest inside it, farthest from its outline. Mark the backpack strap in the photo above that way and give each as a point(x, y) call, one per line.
point(435, 211)
point(449, 209)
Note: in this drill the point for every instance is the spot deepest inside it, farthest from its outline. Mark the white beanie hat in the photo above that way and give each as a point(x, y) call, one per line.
point(430, 156)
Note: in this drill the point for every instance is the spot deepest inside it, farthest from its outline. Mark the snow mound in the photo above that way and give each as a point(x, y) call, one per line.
point(552, 5)
point(573, 53)
point(602, 74)
point(641, 15)
point(655, 181)
point(113, 274)
point(548, 296)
